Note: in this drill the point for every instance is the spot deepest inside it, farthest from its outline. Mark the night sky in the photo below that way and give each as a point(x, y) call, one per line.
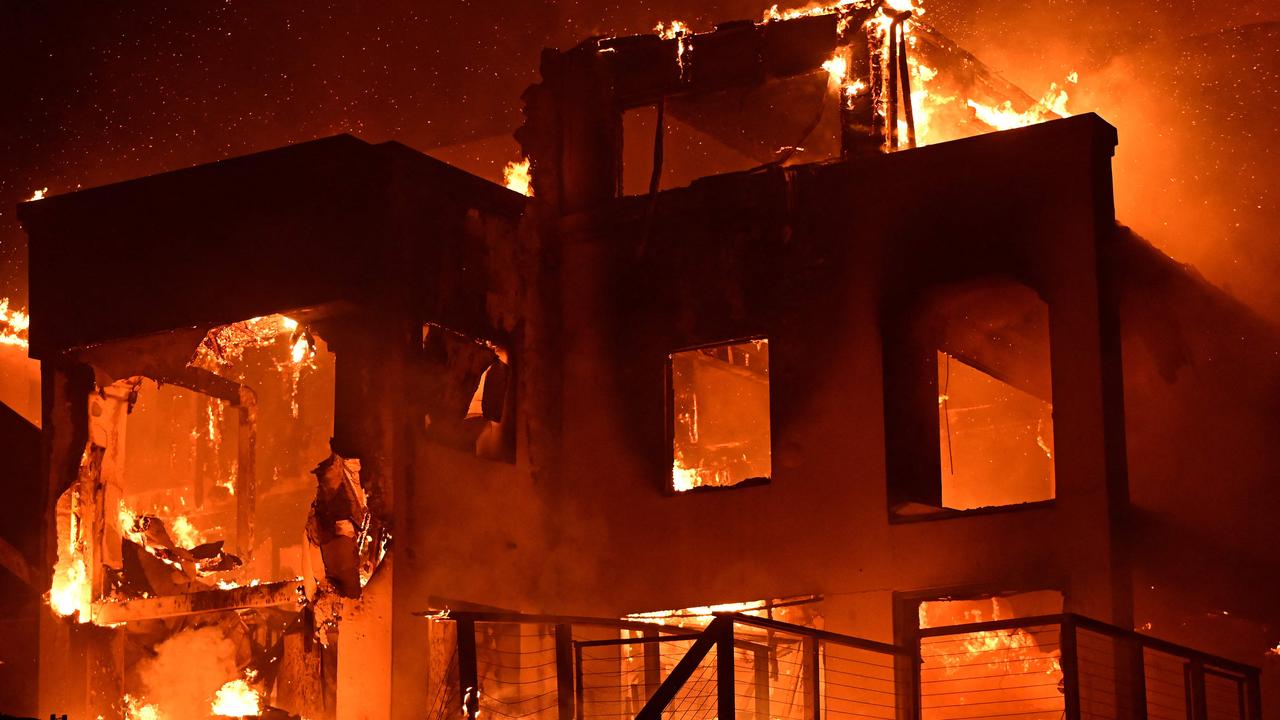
point(98, 92)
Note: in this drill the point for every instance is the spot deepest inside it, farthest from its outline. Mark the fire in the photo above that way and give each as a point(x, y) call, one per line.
point(941, 107)
point(138, 709)
point(300, 350)
point(70, 593)
point(70, 587)
point(518, 176)
point(38, 195)
point(1004, 117)
point(684, 478)
point(837, 67)
point(224, 346)
point(13, 325)
point(184, 533)
point(236, 699)
point(676, 29)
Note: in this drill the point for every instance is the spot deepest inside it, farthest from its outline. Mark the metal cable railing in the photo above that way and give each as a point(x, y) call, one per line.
point(1039, 668)
point(1068, 666)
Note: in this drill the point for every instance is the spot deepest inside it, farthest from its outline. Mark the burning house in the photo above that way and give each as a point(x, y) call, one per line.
point(881, 414)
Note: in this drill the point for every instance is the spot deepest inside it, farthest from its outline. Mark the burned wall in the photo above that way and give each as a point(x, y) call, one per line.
point(1201, 384)
point(817, 259)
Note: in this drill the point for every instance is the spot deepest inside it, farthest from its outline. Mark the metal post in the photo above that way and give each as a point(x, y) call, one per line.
point(1199, 706)
point(578, 684)
point(813, 681)
point(468, 676)
point(564, 670)
point(1137, 678)
point(726, 701)
point(652, 663)
point(1253, 689)
point(1070, 669)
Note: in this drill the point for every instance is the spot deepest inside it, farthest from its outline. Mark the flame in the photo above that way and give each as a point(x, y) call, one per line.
point(677, 28)
point(184, 533)
point(684, 478)
point(13, 325)
point(837, 67)
point(70, 593)
point(1003, 117)
point(38, 195)
point(236, 699)
point(518, 176)
point(225, 345)
point(138, 709)
point(301, 349)
point(929, 92)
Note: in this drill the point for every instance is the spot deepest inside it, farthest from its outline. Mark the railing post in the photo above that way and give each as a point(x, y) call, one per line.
point(1253, 691)
point(468, 676)
point(1070, 668)
point(813, 679)
point(652, 663)
point(564, 670)
point(1137, 666)
point(578, 684)
point(1198, 706)
point(725, 699)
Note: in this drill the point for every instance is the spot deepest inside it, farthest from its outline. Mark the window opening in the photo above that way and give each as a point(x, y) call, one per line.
point(720, 415)
point(1008, 672)
point(995, 440)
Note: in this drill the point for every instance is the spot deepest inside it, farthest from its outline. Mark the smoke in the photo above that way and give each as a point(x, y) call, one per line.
point(187, 671)
point(1194, 90)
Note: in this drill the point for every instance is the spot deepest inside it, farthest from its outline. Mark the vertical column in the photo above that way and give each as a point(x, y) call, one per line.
point(1070, 668)
point(565, 663)
point(725, 699)
point(468, 675)
point(813, 677)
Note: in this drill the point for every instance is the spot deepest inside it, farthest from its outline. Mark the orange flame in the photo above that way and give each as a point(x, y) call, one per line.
point(38, 195)
point(139, 709)
point(13, 325)
point(518, 176)
point(236, 699)
point(70, 594)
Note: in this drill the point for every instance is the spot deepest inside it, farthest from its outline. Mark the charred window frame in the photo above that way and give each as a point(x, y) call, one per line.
point(739, 451)
point(992, 335)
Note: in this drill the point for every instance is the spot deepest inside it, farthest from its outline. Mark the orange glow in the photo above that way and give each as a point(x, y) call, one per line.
point(237, 699)
point(672, 31)
point(518, 176)
point(837, 67)
point(184, 533)
point(139, 709)
point(38, 195)
point(1004, 117)
point(70, 594)
point(943, 107)
point(13, 325)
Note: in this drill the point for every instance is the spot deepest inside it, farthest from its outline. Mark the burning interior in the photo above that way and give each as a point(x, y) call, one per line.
point(385, 440)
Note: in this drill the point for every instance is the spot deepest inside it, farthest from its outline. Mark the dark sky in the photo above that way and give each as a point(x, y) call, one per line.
point(98, 92)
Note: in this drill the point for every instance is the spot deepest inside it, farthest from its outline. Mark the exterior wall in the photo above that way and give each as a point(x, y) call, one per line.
point(1203, 392)
point(814, 259)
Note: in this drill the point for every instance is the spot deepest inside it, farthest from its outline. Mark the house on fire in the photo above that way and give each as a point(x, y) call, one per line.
point(338, 430)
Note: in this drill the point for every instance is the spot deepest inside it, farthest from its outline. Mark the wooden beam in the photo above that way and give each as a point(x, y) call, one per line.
point(287, 593)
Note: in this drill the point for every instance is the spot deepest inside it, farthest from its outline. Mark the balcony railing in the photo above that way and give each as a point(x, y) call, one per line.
point(1036, 668)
